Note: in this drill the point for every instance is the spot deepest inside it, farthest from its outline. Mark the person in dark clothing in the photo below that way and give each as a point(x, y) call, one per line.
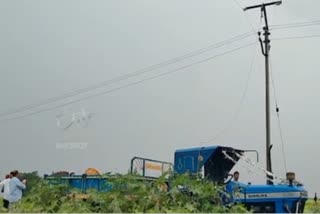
point(315, 198)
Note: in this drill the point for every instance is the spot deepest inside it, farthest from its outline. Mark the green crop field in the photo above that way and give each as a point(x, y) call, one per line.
point(127, 195)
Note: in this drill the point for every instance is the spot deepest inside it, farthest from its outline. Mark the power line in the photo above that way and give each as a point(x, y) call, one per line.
point(154, 67)
point(128, 85)
point(278, 117)
point(238, 109)
point(150, 68)
point(126, 76)
point(295, 24)
point(298, 37)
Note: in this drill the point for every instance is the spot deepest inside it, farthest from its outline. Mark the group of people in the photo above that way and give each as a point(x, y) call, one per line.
point(11, 188)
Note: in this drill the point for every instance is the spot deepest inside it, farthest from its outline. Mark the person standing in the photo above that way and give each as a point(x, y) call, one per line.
point(16, 187)
point(4, 185)
point(315, 198)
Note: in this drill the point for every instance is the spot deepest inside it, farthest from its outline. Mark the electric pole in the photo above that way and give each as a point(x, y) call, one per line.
point(265, 48)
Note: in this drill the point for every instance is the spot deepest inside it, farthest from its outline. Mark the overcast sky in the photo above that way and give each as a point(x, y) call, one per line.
point(49, 48)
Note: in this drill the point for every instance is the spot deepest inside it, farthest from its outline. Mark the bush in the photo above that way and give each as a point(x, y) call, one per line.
point(312, 207)
point(129, 194)
point(32, 180)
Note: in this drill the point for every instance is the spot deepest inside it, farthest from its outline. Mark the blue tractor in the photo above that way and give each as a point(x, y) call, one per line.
point(215, 162)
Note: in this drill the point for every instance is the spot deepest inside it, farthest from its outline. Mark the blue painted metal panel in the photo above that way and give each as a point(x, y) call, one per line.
point(76, 183)
point(83, 183)
point(212, 159)
point(284, 197)
point(187, 160)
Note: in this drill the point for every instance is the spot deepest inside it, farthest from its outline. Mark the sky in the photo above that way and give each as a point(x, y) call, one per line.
point(50, 48)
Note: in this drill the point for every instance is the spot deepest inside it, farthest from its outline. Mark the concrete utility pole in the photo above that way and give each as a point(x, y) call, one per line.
point(265, 51)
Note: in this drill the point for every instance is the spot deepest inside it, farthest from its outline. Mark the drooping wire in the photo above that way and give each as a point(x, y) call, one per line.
point(128, 85)
point(242, 99)
point(278, 117)
point(238, 109)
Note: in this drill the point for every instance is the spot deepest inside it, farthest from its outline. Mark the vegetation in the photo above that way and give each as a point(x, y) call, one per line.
point(312, 207)
point(33, 179)
point(128, 194)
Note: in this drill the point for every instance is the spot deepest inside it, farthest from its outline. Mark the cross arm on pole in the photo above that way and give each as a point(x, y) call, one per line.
point(263, 5)
point(263, 9)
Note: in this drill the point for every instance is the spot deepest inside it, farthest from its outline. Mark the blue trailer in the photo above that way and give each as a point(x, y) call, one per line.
point(82, 182)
